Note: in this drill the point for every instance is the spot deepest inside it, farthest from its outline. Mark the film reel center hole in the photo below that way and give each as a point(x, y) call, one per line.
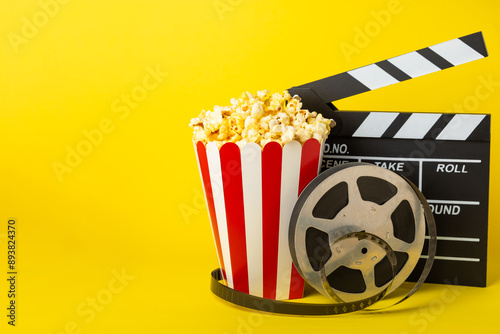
point(364, 250)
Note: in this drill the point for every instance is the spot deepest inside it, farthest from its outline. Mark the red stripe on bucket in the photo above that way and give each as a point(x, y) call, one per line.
point(202, 156)
point(230, 160)
point(311, 151)
point(271, 190)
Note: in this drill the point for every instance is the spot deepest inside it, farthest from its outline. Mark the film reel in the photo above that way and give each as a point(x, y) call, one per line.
point(349, 199)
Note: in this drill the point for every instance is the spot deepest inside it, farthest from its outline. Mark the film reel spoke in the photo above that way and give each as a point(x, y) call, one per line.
point(391, 205)
point(398, 245)
point(369, 278)
point(354, 192)
point(318, 223)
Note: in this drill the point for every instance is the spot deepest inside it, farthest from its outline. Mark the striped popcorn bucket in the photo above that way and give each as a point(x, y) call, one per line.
point(250, 194)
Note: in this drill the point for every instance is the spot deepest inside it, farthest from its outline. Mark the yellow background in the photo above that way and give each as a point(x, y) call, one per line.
point(119, 209)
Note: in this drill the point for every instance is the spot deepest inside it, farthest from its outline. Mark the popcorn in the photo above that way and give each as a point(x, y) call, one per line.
point(260, 118)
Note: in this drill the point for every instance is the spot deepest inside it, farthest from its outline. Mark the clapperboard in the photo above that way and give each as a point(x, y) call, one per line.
point(446, 155)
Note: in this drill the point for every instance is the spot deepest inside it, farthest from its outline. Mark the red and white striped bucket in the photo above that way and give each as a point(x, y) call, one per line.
point(250, 194)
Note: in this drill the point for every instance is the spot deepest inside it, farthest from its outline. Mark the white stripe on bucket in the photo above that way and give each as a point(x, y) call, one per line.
point(251, 170)
point(220, 207)
point(290, 174)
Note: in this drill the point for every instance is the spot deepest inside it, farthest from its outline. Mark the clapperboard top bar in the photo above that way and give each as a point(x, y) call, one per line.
point(414, 125)
point(394, 70)
point(318, 95)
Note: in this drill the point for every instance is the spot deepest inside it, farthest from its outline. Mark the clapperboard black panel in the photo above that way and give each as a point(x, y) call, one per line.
point(446, 155)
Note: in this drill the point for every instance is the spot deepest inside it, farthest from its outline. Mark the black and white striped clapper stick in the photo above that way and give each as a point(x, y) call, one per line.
point(408, 66)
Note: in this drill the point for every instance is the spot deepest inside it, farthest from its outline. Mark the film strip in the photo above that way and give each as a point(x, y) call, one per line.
point(315, 263)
